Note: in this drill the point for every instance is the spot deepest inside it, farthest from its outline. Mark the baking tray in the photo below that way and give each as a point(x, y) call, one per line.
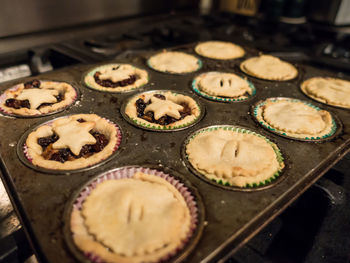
point(231, 217)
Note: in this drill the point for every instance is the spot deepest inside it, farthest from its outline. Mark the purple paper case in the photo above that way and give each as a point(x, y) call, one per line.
point(128, 172)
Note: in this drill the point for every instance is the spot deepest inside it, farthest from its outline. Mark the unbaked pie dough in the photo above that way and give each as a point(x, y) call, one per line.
point(269, 67)
point(295, 118)
point(233, 157)
point(42, 97)
point(138, 219)
point(221, 84)
point(219, 50)
point(72, 134)
point(174, 62)
point(167, 109)
point(331, 91)
point(116, 78)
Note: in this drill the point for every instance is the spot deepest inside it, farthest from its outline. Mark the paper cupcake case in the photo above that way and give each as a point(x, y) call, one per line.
point(24, 156)
point(261, 185)
point(222, 99)
point(191, 197)
point(256, 111)
point(14, 88)
point(91, 72)
point(153, 127)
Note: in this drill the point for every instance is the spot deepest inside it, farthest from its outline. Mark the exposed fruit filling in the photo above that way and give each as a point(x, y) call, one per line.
point(63, 155)
point(163, 120)
point(34, 84)
point(110, 84)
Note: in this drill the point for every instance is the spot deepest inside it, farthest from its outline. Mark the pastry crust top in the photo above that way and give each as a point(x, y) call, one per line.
point(223, 85)
point(234, 157)
point(122, 72)
point(170, 106)
point(219, 50)
point(73, 137)
point(174, 62)
point(330, 91)
point(295, 118)
point(138, 219)
point(269, 67)
point(37, 96)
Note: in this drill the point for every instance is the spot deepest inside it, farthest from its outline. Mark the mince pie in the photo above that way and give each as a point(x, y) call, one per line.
point(72, 142)
point(295, 118)
point(37, 97)
point(219, 50)
point(174, 62)
point(331, 91)
point(269, 67)
point(162, 110)
point(234, 156)
point(140, 218)
point(223, 86)
point(116, 78)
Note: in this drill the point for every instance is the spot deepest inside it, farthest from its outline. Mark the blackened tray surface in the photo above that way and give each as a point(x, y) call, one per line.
point(232, 217)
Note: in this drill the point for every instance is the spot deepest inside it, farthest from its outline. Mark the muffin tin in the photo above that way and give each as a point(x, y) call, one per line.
point(231, 217)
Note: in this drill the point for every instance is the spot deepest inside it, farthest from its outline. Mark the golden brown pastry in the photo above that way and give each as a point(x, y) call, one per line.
point(219, 50)
point(139, 219)
point(72, 142)
point(233, 157)
point(37, 97)
point(331, 91)
point(116, 78)
point(269, 67)
point(174, 62)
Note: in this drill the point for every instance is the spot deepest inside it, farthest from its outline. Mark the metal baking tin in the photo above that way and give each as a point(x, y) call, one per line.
point(131, 121)
point(335, 119)
point(180, 255)
point(73, 84)
point(232, 217)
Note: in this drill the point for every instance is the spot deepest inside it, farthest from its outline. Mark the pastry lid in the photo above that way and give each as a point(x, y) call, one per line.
point(13, 88)
point(199, 63)
point(336, 128)
point(151, 127)
point(218, 98)
point(26, 159)
point(189, 193)
point(268, 183)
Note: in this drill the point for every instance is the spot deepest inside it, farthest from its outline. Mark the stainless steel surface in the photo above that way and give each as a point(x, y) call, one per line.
point(8, 219)
point(24, 17)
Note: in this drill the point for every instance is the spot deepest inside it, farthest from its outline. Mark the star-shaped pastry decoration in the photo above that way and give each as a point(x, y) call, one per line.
point(116, 75)
point(74, 135)
point(37, 97)
point(161, 108)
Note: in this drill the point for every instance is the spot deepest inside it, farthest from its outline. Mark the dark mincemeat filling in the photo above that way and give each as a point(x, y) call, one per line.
point(63, 155)
point(34, 84)
point(165, 120)
point(110, 84)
